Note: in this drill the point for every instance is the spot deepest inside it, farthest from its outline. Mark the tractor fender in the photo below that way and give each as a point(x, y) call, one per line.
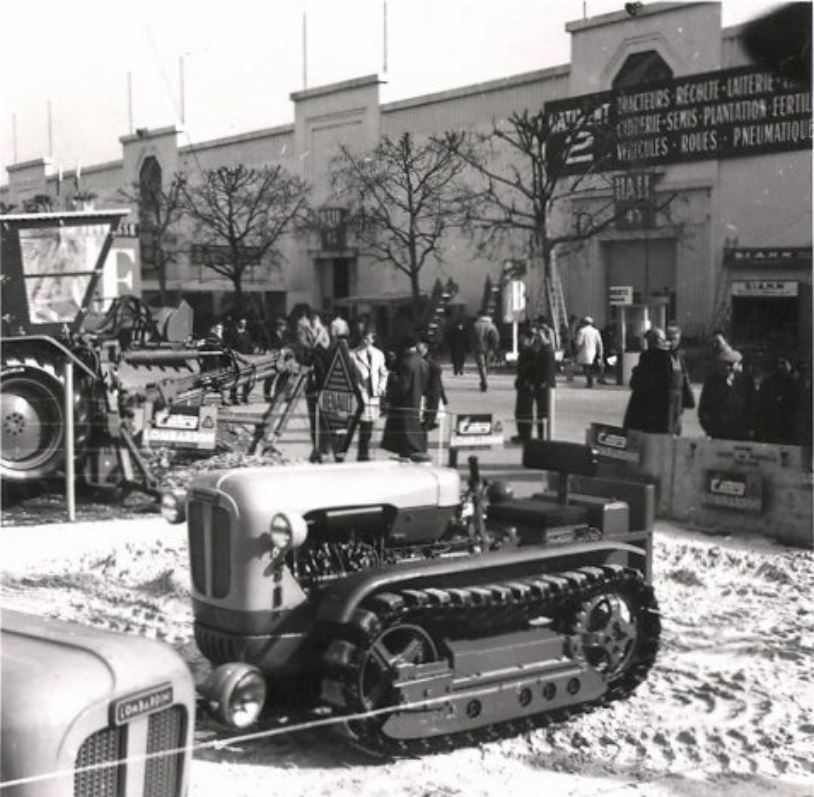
point(340, 600)
point(14, 347)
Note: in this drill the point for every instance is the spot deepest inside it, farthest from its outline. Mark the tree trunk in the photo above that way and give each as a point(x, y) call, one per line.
point(415, 289)
point(162, 282)
point(237, 281)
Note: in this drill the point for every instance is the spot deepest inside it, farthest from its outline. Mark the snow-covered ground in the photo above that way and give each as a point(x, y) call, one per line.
point(726, 710)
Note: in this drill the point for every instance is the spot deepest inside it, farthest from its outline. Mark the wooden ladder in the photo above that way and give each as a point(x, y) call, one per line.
point(555, 300)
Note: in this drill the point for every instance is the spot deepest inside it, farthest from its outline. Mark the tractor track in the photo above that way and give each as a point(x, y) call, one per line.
point(496, 607)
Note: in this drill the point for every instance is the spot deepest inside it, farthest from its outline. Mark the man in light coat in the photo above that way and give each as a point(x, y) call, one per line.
point(371, 375)
point(588, 344)
point(485, 341)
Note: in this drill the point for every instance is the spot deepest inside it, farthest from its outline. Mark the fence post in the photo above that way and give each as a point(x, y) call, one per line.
point(70, 465)
point(551, 394)
point(442, 417)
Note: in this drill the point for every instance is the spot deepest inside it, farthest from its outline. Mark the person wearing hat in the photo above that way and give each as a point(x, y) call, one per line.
point(406, 387)
point(681, 395)
point(536, 376)
point(485, 342)
point(648, 409)
point(726, 406)
point(589, 349)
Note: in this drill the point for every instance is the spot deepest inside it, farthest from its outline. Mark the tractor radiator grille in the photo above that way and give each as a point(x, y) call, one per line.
point(102, 747)
point(166, 730)
point(209, 548)
point(162, 774)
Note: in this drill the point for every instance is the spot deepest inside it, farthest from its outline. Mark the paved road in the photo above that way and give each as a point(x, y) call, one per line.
point(576, 408)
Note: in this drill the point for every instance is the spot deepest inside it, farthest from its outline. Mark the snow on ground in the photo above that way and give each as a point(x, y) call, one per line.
point(727, 708)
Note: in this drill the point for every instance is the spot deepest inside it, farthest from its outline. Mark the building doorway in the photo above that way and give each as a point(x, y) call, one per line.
point(649, 266)
point(337, 277)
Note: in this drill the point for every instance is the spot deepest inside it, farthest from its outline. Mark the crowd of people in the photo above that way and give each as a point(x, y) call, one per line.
point(733, 405)
point(401, 378)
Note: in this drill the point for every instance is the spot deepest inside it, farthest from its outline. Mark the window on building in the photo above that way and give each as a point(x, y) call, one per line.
point(642, 69)
point(149, 209)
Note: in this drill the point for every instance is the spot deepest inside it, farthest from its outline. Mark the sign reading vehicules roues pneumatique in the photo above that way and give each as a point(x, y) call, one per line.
point(730, 113)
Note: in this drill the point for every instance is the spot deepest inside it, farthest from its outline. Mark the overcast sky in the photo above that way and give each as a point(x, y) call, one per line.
point(242, 59)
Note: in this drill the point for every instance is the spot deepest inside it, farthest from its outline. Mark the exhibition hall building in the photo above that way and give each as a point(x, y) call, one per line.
point(708, 172)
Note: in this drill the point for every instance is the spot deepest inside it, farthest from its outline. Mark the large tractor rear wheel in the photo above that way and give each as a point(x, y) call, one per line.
point(32, 413)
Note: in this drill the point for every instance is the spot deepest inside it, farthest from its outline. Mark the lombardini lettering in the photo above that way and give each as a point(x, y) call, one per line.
point(129, 708)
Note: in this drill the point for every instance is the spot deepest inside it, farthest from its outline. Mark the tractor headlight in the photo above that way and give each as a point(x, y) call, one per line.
point(287, 530)
point(235, 694)
point(174, 506)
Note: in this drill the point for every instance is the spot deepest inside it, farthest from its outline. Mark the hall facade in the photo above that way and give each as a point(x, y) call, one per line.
point(722, 148)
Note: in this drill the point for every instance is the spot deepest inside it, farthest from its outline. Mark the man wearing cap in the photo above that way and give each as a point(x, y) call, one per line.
point(726, 407)
point(589, 349)
point(648, 409)
point(485, 342)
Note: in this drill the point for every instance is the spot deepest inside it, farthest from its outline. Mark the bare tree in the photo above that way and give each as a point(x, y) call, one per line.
point(521, 175)
point(241, 214)
point(160, 210)
point(404, 196)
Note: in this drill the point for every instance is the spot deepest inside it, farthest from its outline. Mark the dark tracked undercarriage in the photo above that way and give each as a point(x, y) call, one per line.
point(432, 669)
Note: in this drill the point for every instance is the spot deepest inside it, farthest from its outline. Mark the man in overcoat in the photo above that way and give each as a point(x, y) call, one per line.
point(406, 386)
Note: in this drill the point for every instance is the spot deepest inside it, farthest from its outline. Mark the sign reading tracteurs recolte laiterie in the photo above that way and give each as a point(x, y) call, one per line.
point(726, 114)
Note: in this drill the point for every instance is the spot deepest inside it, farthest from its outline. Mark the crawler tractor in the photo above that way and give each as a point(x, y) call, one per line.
point(417, 614)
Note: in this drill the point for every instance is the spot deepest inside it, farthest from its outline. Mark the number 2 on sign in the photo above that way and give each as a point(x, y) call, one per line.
point(580, 147)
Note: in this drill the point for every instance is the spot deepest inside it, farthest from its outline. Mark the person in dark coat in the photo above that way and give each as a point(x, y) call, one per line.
point(681, 395)
point(536, 376)
point(456, 341)
point(242, 343)
point(435, 386)
point(406, 386)
point(648, 408)
point(777, 405)
point(726, 407)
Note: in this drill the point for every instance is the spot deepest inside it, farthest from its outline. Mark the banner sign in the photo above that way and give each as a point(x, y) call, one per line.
point(742, 491)
point(339, 401)
point(768, 257)
point(614, 442)
point(765, 288)
point(477, 430)
point(731, 113)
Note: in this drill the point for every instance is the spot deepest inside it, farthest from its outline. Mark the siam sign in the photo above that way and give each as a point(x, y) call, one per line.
point(727, 114)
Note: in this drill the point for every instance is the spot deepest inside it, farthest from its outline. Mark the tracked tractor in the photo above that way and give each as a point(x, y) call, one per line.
point(421, 615)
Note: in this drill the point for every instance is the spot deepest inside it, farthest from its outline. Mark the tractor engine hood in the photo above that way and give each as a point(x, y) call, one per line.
point(57, 675)
point(304, 487)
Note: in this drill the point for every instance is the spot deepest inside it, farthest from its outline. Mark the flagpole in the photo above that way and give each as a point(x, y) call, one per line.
point(130, 103)
point(384, 36)
point(181, 87)
point(50, 133)
point(304, 51)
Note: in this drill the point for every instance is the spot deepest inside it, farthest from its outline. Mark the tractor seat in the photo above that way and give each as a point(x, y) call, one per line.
point(537, 513)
